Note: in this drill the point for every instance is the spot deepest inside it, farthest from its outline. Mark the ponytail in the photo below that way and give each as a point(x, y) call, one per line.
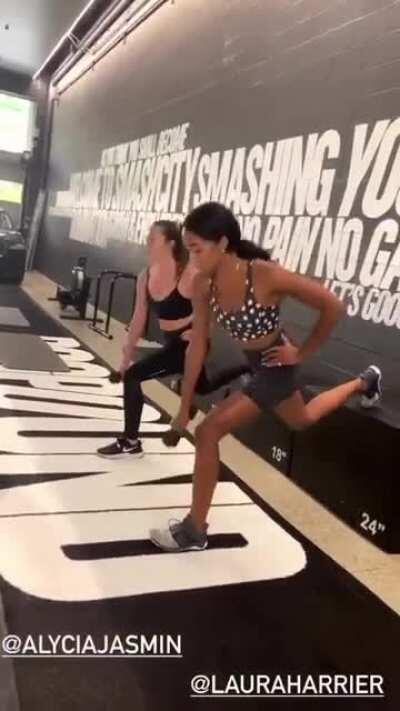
point(248, 250)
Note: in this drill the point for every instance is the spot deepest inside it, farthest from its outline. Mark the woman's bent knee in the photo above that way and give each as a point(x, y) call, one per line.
point(207, 430)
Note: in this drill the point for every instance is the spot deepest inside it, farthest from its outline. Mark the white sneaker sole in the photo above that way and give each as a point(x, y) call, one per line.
point(368, 402)
point(123, 455)
point(179, 550)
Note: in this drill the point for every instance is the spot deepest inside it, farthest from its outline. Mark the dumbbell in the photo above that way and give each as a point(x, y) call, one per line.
point(172, 436)
point(115, 377)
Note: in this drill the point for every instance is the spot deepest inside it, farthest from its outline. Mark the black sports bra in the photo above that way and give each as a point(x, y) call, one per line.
point(252, 320)
point(174, 307)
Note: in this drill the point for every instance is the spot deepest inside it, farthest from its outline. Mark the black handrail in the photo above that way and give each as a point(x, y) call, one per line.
point(116, 276)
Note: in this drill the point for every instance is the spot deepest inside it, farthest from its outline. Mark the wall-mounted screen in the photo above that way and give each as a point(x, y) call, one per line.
point(16, 123)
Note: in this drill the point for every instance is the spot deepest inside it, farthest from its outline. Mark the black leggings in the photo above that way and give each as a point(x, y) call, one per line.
point(169, 360)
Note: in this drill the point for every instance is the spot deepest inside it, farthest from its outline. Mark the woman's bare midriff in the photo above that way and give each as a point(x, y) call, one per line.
point(176, 324)
point(259, 344)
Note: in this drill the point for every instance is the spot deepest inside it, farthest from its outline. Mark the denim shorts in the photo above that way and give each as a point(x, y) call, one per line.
point(268, 386)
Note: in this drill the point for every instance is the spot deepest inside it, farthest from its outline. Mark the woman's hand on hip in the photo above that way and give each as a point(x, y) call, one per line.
point(287, 354)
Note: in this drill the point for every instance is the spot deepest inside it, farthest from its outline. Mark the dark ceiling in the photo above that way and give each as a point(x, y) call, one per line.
point(35, 26)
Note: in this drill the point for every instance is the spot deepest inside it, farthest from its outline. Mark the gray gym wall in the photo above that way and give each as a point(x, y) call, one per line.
point(240, 74)
point(14, 82)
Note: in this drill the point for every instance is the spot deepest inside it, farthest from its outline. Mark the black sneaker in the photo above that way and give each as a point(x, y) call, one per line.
point(372, 376)
point(121, 448)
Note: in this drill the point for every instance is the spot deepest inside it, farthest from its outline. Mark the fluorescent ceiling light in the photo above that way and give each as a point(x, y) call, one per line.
point(126, 23)
point(64, 37)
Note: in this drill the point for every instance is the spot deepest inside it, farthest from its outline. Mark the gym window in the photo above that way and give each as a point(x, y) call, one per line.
point(16, 123)
point(10, 192)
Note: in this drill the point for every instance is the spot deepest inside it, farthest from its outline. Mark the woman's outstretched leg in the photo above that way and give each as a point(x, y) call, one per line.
point(299, 415)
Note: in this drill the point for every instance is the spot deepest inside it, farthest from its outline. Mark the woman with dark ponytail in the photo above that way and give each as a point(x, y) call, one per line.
point(166, 287)
point(242, 289)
